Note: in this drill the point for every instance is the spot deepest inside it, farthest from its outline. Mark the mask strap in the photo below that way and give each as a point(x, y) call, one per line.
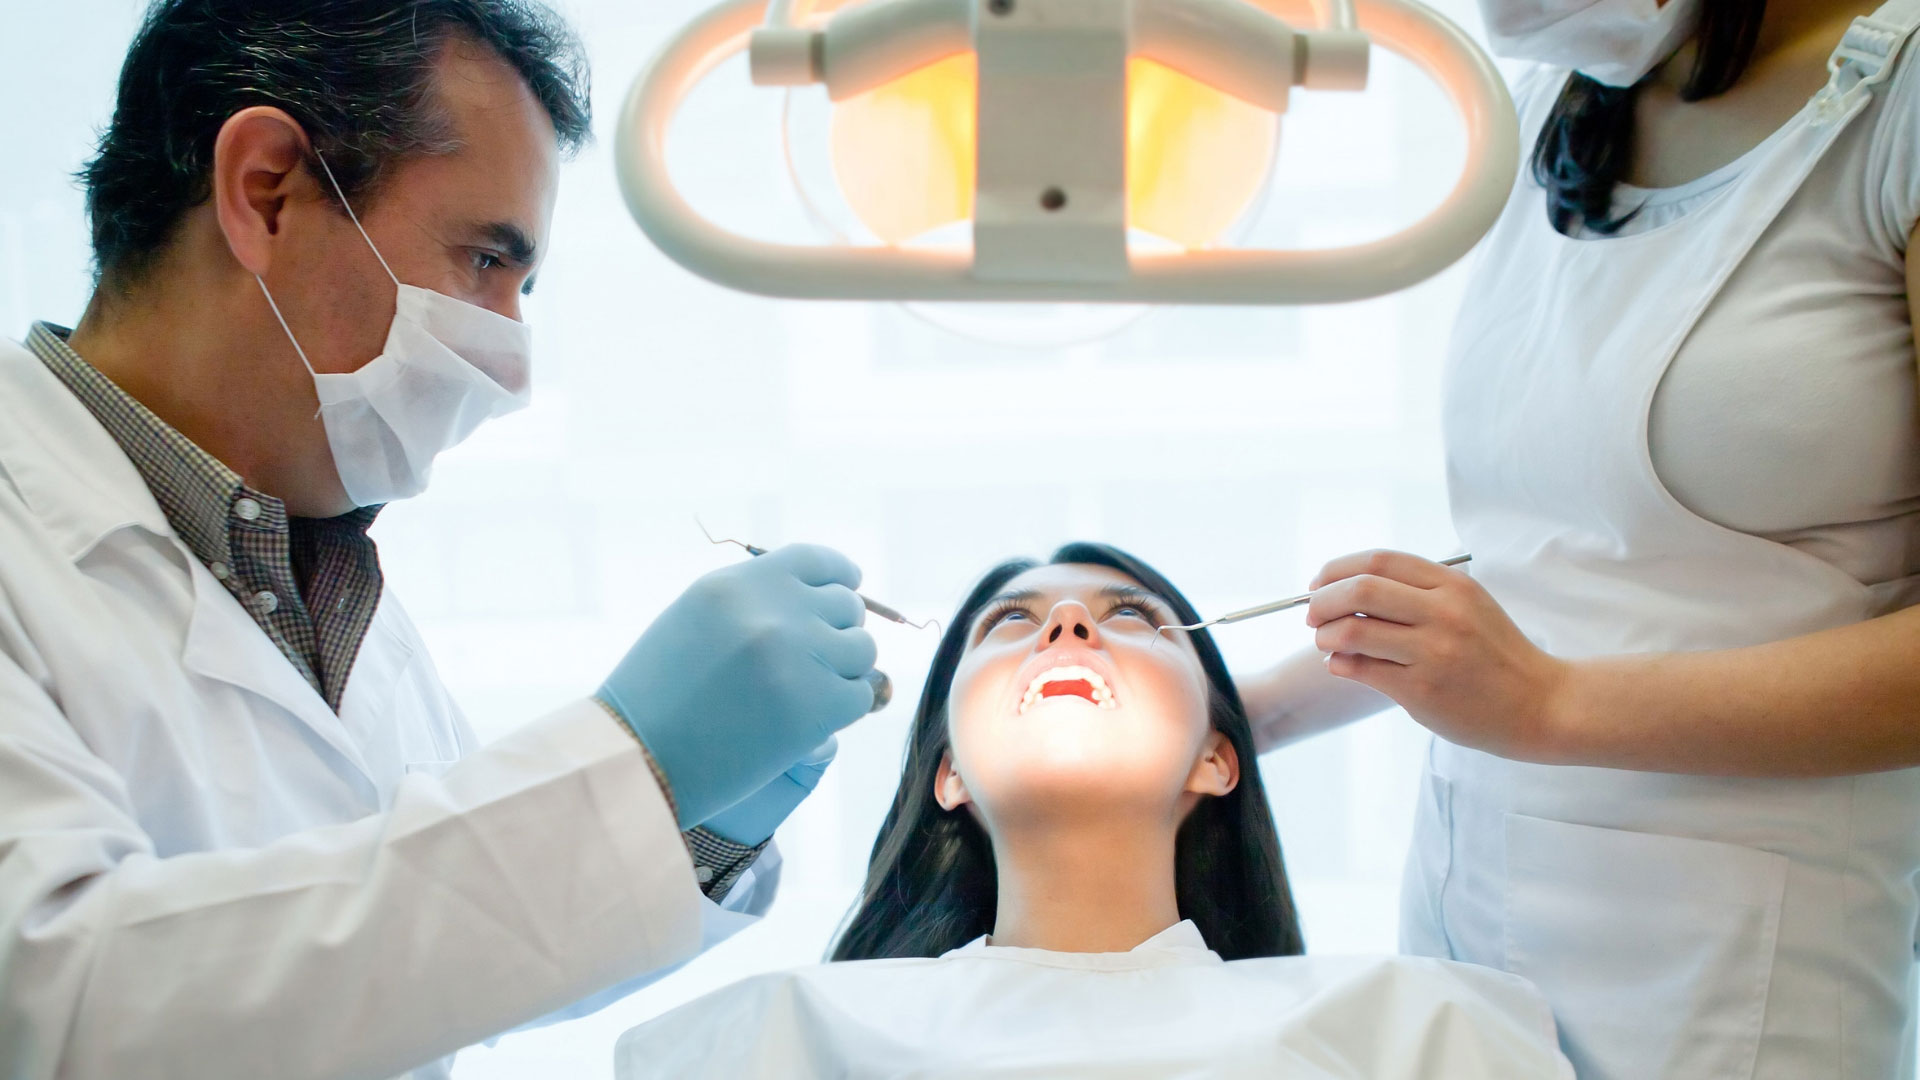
point(355, 218)
point(284, 326)
point(268, 293)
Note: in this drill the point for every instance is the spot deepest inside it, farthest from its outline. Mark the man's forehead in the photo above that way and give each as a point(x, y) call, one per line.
point(497, 185)
point(472, 82)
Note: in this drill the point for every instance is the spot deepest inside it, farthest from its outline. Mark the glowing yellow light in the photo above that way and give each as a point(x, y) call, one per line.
point(1196, 158)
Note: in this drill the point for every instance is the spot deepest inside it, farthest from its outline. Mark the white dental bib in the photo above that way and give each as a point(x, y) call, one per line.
point(1170, 1008)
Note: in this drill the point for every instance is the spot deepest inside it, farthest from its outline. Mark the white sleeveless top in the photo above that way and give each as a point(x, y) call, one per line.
point(1791, 412)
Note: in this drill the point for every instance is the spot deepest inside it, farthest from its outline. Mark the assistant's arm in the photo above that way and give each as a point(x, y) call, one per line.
point(1298, 698)
point(539, 870)
point(1839, 702)
point(1835, 703)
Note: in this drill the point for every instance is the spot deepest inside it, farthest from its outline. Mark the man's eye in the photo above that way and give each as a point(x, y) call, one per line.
point(487, 260)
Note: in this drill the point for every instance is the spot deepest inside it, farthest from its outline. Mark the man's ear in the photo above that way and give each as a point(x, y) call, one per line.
point(948, 789)
point(256, 168)
point(1218, 770)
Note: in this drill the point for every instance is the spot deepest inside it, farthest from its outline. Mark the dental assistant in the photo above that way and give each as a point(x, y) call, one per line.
point(1677, 705)
point(244, 830)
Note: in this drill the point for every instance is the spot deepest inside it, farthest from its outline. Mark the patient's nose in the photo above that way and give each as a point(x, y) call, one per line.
point(1070, 622)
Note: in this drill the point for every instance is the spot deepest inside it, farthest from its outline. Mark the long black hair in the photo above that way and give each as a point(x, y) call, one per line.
point(1586, 146)
point(931, 885)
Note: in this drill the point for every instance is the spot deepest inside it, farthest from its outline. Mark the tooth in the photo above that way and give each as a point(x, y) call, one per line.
point(1102, 694)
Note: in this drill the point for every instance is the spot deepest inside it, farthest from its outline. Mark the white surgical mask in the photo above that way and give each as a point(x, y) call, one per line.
point(1610, 41)
point(448, 367)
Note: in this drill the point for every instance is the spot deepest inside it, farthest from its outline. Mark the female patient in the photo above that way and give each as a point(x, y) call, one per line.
point(1079, 846)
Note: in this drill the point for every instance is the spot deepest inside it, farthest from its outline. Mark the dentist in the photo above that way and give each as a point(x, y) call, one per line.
point(1678, 703)
point(244, 831)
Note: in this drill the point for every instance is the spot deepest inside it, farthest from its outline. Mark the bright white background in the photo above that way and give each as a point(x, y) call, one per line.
point(1235, 449)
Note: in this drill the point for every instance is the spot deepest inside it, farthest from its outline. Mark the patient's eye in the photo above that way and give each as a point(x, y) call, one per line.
point(1138, 606)
point(1004, 611)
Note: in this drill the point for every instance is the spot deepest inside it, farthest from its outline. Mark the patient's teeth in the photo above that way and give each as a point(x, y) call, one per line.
point(1102, 693)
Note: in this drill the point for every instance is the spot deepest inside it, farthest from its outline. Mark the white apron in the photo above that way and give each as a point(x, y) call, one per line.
point(1683, 927)
point(1170, 1009)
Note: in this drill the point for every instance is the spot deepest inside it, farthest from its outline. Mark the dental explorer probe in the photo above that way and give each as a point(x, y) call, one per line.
point(872, 605)
point(1282, 605)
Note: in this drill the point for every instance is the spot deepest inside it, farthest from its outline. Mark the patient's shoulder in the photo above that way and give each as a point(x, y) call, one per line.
point(955, 1017)
point(1416, 989)
point(1374, 968)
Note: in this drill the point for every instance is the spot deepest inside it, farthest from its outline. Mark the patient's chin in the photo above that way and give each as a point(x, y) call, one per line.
point(1081, 785)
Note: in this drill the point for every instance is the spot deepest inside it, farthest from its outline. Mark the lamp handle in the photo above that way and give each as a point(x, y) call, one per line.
point(1214, 276)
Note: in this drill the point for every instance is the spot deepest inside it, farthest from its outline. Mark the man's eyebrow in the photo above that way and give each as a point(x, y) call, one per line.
point(511, 239)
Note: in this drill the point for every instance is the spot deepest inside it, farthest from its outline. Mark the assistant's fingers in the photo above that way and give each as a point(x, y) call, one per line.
point(1374, 597)
point(1376, 638)
point(1397, 565)
point(1382, 675)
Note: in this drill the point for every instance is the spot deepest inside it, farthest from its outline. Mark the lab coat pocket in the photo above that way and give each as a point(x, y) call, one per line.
point(1655, 951)
point(1423, 927)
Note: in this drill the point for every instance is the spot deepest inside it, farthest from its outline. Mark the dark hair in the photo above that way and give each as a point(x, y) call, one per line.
point(931, 885)
point(357, 74)
point(1586, 145)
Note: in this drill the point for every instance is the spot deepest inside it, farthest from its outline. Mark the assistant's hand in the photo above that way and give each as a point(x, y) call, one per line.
point(1437, 643)
point(752, 667)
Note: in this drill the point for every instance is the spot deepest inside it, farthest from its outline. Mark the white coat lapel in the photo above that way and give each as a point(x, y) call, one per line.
point(224, 643)
point(84, 490)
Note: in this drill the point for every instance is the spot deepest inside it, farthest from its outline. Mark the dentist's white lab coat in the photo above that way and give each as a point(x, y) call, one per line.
point(205, 872)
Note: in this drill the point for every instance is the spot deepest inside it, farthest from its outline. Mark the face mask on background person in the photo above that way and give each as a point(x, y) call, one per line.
point(1616, 42)
point(448, 366)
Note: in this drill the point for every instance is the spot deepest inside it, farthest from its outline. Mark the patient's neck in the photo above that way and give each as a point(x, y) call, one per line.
point(1094, 886)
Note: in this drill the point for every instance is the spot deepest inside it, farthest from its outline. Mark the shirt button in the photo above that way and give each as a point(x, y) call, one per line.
point(267, 602)
point(703, 874)
point(221, 571)
point(246, 510)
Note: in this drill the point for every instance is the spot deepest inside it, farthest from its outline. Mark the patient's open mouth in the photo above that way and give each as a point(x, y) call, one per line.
point(1068, 681)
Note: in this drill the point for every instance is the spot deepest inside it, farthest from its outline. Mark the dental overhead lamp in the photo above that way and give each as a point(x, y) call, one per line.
point(1083, 151)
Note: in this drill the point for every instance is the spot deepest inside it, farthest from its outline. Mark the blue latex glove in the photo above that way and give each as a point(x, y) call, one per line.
point(753, 820)
point(750, 668)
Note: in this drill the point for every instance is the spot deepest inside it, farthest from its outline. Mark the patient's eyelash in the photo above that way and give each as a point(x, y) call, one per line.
point(1145, 603)
point(1000, 610)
